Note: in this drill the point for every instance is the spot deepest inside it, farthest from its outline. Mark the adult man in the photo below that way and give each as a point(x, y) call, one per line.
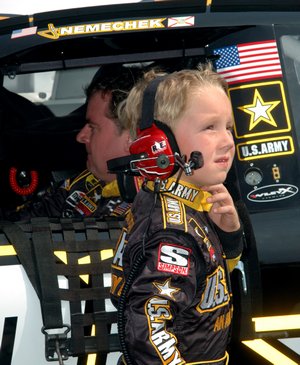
point(88, 194)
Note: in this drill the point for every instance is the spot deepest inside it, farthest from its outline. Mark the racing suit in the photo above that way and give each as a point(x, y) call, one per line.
point(178, 306)
point(81, 196)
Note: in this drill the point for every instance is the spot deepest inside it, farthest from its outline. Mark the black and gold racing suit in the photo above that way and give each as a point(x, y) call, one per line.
point(78, 197)
point(178, 309)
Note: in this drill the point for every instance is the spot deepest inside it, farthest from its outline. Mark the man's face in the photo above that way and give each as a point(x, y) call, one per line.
point(101, 137)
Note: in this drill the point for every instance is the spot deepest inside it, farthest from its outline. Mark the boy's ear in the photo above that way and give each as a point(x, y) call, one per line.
point(128, 141)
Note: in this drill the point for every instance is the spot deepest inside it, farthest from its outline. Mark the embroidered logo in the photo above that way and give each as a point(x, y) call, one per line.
point(202, 232)
point(81, 203)
point(173, 212)
point(158, 312)
point(166, 288)
point(173, 259)
point(216, 292)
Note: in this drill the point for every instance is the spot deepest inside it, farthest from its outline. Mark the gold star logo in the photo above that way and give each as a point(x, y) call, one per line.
point(166, 289)
point(260, 111)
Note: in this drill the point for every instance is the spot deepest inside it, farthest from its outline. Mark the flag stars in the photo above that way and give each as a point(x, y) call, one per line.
point(260, 111)
point(229, 56)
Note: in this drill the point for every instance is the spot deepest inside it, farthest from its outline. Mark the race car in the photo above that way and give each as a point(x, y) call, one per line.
point(46, 61)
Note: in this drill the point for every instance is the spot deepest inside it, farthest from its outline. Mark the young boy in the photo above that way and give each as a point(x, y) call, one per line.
point(170, 275)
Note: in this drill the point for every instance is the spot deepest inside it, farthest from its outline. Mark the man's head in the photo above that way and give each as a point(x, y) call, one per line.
point(104, 135)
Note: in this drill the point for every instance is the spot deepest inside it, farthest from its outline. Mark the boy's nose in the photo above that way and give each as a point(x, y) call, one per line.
point(227, 139)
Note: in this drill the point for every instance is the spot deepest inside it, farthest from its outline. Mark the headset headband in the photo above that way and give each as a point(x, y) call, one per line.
point(147, 118)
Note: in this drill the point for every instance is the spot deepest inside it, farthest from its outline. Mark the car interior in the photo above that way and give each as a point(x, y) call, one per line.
point(39, 127)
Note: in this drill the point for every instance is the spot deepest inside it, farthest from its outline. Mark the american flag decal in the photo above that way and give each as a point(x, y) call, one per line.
point(181, 21)
point(23, 32)
point(248, 61)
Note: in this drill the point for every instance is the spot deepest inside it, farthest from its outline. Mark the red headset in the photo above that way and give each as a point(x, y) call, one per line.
point(155, 153)
point(155, 145)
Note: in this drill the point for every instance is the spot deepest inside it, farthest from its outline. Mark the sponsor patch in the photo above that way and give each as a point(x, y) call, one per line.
point(173, 259)
point(271, 193)
point(81, 203)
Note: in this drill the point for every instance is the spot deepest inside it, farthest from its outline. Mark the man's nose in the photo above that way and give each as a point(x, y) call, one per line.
point(83, 135)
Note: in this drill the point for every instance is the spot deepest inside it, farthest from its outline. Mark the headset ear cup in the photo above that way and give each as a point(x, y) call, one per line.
point(170, 138)
point(158, 148)
point(156, 143)
point(171, 141)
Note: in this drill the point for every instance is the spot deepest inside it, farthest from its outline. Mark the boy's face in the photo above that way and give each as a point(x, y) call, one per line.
point(101, 137)
point(206, 126)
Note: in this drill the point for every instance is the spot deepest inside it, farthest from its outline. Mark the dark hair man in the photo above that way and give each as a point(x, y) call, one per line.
point(94, 192)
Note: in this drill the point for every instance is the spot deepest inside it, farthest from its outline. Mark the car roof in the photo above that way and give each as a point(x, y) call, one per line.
point(129, 32)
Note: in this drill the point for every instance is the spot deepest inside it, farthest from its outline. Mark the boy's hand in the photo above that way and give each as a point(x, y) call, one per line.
point(223, 212)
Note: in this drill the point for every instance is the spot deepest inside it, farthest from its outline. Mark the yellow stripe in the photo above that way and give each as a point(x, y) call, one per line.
point(277, 323)
point(231, 263)
point(7, 250)
point(269, 352)
point(163, 210)
point(184, 217)
point(91, 359)
point(225, 357)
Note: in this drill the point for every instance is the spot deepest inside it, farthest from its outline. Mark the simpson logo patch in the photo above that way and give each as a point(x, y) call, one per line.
point(173, 259)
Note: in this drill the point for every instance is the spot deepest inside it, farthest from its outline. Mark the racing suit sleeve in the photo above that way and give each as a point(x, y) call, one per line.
point(232, 243)
point(48, 205)
point(158, 297)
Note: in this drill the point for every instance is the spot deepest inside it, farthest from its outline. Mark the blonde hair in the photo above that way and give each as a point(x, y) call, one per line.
point(171, 96)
